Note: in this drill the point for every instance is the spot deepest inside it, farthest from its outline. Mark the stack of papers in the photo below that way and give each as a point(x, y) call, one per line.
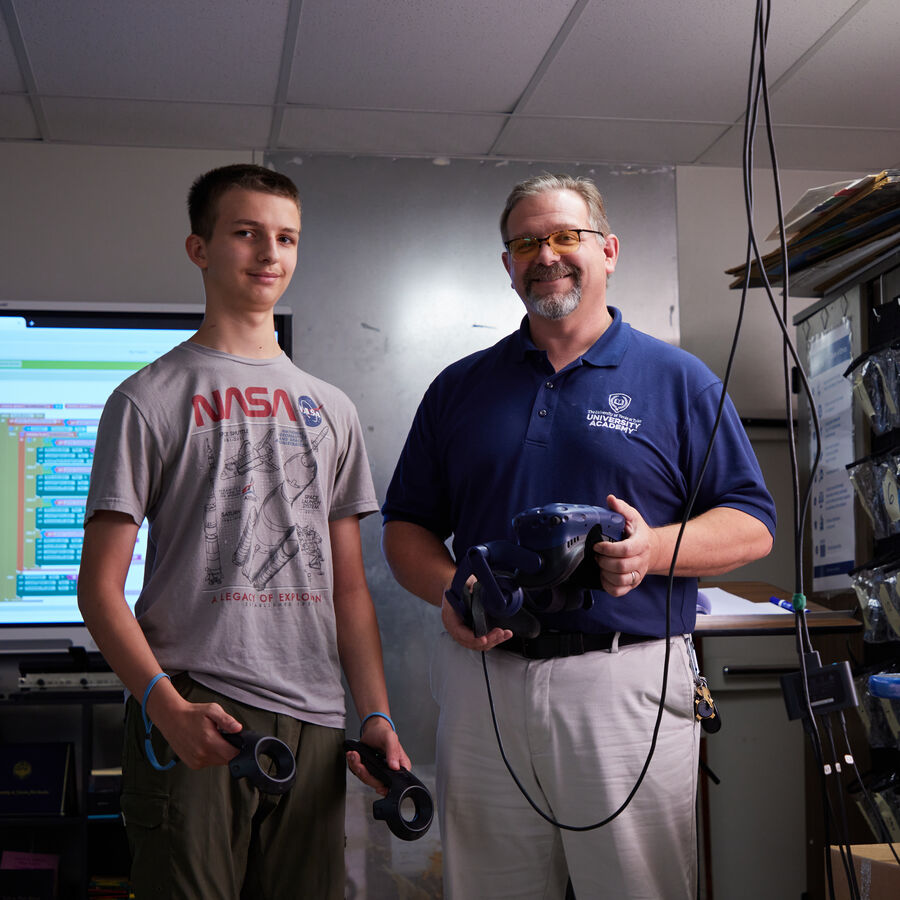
point(725, 604)
point(831, 231)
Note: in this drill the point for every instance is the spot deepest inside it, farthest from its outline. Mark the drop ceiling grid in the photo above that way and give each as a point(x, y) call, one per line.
point(10, 74)
point(150, 123)
point(584, 140)
point(380, 132)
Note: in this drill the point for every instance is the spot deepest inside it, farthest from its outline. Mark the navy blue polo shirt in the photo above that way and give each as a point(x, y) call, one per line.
point(499, 432)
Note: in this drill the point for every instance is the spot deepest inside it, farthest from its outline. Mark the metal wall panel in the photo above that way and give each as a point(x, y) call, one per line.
point(399, 275)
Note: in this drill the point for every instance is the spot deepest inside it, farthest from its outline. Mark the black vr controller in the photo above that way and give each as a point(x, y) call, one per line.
point(402, 786)
point(249, 764)
point(549, 569)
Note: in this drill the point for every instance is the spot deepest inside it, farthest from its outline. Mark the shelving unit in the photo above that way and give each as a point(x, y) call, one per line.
point(82, 842)
point(869, 299)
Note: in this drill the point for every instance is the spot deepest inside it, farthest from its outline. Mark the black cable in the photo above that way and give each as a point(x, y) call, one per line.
point(850, 759)
point(669, 590)
point(752, 104)
point(759, 88)
point(801, 502)
point(844, 829)
point(820, 768)
point(523, 790)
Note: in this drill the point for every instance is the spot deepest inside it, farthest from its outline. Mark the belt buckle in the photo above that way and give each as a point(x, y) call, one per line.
point(571, 644)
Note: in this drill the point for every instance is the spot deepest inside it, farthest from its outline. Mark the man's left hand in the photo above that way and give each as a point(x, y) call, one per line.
point(623, 564)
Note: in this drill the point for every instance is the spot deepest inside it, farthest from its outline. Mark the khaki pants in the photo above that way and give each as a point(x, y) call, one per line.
point(576, 732)
point(203, 835)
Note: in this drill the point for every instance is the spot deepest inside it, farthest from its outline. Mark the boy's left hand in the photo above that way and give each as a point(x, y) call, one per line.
point(378, 733)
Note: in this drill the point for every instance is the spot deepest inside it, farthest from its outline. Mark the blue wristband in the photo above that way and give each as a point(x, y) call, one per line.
point(380, 715)
point(148, 746)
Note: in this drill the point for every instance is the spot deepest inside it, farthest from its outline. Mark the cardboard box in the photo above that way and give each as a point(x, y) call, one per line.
point(877, 872)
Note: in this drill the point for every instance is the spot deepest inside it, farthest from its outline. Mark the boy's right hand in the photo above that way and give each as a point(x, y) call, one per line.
point(192, 730)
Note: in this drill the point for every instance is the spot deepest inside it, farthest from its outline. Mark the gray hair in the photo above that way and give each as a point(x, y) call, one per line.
point(540, 184)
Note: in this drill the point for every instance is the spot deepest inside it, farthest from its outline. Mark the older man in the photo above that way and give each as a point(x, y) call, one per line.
point(577, 407)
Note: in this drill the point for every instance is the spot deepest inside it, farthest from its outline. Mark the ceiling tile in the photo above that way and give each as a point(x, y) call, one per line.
point(151, 124)
point(385, 132)
point(640, 59)
point(825, 90)
point(425, 55)
point(17, 120)
point(227, 50)
point(604, 141)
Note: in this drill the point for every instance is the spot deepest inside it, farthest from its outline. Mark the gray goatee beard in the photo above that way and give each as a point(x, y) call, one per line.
point(553, 306)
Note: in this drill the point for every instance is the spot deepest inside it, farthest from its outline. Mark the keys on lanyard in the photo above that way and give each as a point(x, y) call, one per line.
point(704, 706)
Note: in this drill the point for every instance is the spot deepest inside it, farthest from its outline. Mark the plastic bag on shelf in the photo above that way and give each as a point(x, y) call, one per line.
point(869, 712)
point(876, 591)
point(875, 481)
point(875, 379)
point(884, 691)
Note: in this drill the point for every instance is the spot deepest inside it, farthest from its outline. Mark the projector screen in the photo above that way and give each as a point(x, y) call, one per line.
point(58, 365)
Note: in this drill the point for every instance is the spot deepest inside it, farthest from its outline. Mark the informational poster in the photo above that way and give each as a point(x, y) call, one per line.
point(833, 525)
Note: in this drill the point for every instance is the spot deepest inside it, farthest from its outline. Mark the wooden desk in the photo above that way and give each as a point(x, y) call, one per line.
point(819, 618)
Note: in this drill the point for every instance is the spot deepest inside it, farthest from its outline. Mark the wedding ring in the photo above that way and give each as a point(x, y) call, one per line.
point(634, 578)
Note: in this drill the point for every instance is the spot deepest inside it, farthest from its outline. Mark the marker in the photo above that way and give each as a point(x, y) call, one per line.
point(784, 604)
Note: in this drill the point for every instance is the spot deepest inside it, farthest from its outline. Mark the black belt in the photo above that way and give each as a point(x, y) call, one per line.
point(553, 644)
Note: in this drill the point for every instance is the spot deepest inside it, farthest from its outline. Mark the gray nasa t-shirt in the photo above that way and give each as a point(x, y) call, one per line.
point(238, 466)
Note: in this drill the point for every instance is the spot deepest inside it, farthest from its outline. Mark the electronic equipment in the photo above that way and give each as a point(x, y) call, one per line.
point(403, 789)
point(58, 364)
point(70, 681)
point(549, 569)
point(250, 761)
point(75, 670)
point(828, 688)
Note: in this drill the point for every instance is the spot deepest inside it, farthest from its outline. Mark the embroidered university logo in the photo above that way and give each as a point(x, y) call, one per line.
point(310, 411)
point(615, 421)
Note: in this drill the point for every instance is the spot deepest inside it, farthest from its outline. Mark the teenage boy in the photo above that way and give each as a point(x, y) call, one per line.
point(253, 476)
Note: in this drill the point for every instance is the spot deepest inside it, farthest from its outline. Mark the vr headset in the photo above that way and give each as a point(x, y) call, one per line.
point(549, 568)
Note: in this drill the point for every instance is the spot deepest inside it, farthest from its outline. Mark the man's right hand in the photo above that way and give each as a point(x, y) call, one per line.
point(463, 634)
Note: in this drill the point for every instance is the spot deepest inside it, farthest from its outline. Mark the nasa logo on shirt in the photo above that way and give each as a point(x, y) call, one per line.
point(310, 410)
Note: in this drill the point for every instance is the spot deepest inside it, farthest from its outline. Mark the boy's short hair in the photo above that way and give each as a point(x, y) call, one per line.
point(539, 184)
point(207, 190)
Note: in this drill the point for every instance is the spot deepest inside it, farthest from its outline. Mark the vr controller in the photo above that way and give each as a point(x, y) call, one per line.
point(403, 788)
point(549, 569)
point(249, 764)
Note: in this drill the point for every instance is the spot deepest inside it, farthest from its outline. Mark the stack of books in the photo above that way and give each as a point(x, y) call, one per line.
point(109, 888)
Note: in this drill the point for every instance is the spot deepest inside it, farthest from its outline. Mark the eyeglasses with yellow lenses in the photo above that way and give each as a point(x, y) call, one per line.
point(560, 242)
